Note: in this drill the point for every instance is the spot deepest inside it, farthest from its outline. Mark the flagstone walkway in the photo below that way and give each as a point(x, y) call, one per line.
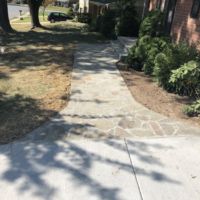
point(101, 105)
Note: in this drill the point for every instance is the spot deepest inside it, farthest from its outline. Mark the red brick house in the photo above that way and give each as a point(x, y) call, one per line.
point(182, 18)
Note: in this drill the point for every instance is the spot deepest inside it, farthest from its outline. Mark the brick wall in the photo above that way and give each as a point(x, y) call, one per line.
point(185, 28)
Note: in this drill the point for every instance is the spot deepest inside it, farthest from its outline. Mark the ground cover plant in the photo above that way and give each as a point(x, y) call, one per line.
point(176, 67)
point(152, 24)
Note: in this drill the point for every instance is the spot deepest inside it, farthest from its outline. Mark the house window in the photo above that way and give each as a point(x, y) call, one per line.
point(195, 9)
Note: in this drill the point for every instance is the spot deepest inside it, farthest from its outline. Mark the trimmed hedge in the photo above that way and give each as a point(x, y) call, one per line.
point(175, 66)
point(152, 24)
point(142, 55)
point(170, 59)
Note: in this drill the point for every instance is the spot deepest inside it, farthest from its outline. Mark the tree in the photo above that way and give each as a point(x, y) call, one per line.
point(4, 20)
point(34, 6)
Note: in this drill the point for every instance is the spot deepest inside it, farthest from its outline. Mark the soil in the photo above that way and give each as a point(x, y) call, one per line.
point(147, 92)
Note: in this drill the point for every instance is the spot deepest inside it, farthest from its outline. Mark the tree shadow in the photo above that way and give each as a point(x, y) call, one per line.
point(142, 152)
point(19, 115)
point(25, 59)
point(35, 48)
point(31, 163)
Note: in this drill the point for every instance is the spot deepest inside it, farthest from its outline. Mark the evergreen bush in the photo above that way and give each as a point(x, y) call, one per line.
point(152, 24)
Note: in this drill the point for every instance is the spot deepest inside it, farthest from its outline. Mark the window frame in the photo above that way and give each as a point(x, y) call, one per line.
point(195, 9)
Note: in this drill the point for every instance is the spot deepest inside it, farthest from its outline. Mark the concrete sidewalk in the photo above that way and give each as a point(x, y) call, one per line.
point(165, 168)
point(97, 148)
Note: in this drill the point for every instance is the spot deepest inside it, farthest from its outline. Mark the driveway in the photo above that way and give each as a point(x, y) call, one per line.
point(13, 10)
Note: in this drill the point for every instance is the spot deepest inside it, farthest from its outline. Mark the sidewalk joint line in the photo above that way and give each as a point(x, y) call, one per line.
point(133, 168)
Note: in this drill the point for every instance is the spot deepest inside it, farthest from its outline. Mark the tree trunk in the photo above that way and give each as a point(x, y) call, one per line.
point(4, 20)
point(34, 7)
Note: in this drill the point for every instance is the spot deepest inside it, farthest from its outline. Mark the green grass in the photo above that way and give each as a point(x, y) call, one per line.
point(28, 19)
point(42, 18)
point(57, 8)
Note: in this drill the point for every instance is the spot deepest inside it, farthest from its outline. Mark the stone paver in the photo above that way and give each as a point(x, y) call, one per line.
point(102, 106)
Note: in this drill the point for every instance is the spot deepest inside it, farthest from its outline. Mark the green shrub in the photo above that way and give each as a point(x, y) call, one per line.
point(152, 24)
point(162, 69)
point(107, 24)
point(186, 79)
point(127, 22)
point(138, 53)
point(183, 53)
point(142, 55)
point(155, 46)
point(69, 12)
point(84, 18)
point(172, 57)
point(193, 110)
point(96, 23)
point(132, 60)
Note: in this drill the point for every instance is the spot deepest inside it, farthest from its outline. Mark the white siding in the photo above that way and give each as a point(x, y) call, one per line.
point(84, 6)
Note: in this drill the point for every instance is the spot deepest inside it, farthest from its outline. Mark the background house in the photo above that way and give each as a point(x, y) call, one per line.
point(96, 7)
point(84, 6)
point(182, 18)
point(63, 3)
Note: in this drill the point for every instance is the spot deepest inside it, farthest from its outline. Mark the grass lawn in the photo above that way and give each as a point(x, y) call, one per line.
point(35, 75)
point(46, 13)
point(57, 8)
point(28, 19)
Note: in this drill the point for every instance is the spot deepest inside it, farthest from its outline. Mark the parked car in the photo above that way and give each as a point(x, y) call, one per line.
point(57, 17)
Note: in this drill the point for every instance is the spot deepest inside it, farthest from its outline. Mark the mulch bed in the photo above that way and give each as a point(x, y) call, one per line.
point(147, 92)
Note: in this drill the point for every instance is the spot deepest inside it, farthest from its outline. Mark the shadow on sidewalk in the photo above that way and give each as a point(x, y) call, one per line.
point(30, 162)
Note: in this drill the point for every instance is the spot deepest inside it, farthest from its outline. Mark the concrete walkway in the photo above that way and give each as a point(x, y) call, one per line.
point(147, 169)
point(101, 105)
point(103, 146)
